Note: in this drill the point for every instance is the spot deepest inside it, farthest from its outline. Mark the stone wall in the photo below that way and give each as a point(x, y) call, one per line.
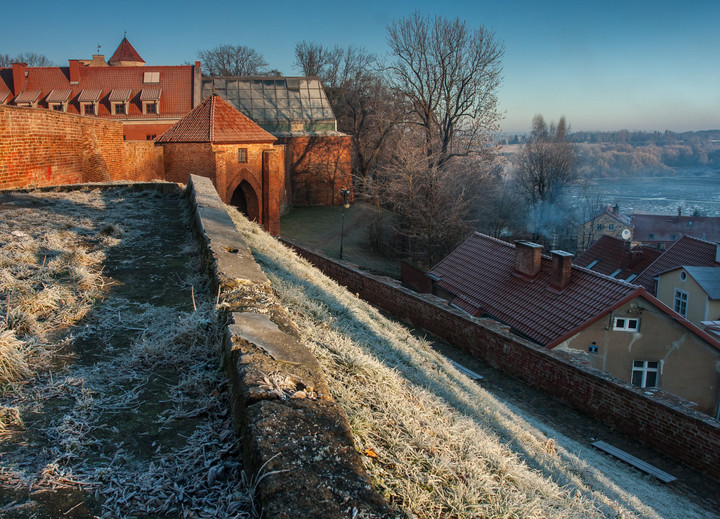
point(686, 435)
point(44, 148)
point(143, 161)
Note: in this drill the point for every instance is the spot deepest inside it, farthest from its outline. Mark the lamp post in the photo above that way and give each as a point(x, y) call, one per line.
point(346, 205)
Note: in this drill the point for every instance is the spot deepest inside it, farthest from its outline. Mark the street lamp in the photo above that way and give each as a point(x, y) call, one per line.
point(346, 205)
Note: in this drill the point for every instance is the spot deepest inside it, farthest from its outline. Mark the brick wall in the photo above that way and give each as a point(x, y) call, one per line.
point(686, 435)
point(143, 162)
point(43, 148)
point(319, 168)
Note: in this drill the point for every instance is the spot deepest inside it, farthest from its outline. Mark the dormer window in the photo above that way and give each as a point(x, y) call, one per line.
point(89, 101)
point(150, 99)
point(58, 100)
point(119, 99)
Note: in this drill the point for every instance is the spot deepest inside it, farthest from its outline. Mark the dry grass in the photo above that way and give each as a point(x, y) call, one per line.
point(126, 399)
point(435, 443)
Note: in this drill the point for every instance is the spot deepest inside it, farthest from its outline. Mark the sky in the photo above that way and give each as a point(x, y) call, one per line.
point(632, 64)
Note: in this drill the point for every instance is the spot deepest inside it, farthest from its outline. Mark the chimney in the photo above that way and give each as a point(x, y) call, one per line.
point(98, 61)
point(527, 258)
point(74, 71)
point(19, 71)
point(560, 270)
point(679, 212)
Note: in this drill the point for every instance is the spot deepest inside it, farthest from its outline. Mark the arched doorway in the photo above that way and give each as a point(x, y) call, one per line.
point(246, 201)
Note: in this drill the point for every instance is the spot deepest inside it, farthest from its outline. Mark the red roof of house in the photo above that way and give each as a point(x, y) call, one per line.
point(216, 120)
point(125, 52)
point(612, 257)
point(687, 251)
point(651, 228)
point(480, 274)
point(176, 83)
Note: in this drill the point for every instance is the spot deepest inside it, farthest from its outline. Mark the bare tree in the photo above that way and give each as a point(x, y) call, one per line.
point(232, 60)
point(361, 99)
point(31, 58)
point(449, 74)
point(546, 165)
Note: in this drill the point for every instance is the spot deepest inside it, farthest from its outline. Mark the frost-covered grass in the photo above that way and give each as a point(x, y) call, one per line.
point(111, 397)
point(434, 442)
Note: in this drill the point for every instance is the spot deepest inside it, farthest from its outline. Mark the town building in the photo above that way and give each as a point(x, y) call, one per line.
point(661, 231)
point(603, 322)
point(693, 292)
point(608, 222)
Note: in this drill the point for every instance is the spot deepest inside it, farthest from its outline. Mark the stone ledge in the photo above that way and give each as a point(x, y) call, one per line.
point(296, 441)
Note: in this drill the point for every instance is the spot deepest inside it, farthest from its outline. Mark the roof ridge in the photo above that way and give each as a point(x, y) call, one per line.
point(211, 129)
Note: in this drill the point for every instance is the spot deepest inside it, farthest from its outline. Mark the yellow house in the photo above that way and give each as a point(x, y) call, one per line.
point(639, 341)
point(693, 292)
point(608, 223)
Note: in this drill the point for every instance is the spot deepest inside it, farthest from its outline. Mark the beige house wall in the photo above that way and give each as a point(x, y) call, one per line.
point(688, 365)
point(699, 307)
point(588, 233)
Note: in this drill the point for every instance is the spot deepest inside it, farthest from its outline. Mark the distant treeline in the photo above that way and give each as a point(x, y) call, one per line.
point(624, 154)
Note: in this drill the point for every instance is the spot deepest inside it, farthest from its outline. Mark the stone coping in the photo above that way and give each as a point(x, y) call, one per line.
point(297, 443)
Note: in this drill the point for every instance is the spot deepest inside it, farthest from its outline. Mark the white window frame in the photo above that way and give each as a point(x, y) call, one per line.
point(626, 324)
point(88, 104)
point(680, 302)
point(114, 105)
point(644, 367)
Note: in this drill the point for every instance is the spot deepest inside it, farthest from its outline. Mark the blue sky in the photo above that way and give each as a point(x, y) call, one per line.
point(636, 65)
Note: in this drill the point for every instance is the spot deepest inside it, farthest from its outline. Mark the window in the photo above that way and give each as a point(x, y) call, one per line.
point(88, 108)
point(242, 155)
point(645, 373)
point(150, 137)
point(593, 348)
point(119, 108)
point(652, 235)
point(58, 107)
point(150, 107)
point(626, 324)
point(681, 301)
point(151, 77)
point(599, 227)
point(611, 227)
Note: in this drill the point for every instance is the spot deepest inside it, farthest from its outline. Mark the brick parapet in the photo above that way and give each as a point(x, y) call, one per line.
point(686, 435)
point(294, 436)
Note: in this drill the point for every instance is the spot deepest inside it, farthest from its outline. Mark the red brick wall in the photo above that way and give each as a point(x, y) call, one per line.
point(319, 167)
point(688, 436)
point(143, 161)
point(140, 132)
point(40, 147)
point(183, 159)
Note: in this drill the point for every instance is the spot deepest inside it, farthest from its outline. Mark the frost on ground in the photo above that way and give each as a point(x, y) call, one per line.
point(435, 443)
point(112, 399)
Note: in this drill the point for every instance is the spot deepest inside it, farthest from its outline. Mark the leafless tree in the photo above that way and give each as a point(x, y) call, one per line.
point(361, 99)
point(31, 58)
point(449, 74)
point(232, 60)
point(546, 165)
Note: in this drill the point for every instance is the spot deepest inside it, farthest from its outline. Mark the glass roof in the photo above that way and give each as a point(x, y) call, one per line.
point(276, 104)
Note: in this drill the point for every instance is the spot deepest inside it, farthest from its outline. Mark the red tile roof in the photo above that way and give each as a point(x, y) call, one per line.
point(216, 120)
point(58, 95)
point(608, 255)
point(687, 251)
point(150, 94)
point(176, 83)
point(120, 94)
point(653, 228)
point(89, 95)
point(480, 274)
point(28, 96)
point(125, 52)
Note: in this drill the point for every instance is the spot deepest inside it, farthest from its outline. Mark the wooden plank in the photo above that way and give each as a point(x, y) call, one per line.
point(636, 462)
point(466, 371)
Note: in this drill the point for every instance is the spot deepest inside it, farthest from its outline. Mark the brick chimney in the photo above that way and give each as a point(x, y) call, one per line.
point(74, 71)
point(19, 71)
point(527, 258)
point(560, 270)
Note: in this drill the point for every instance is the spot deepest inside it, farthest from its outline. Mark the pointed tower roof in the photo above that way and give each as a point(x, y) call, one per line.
point(126, 54)
point(216, 120)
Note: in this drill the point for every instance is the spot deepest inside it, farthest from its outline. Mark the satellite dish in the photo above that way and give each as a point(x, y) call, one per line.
point(625, 234)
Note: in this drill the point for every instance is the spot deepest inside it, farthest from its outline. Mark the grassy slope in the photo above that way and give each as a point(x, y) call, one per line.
point(436, 443)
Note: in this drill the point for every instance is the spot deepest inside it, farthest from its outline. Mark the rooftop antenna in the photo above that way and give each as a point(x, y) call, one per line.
point(125, 34)
point(98, 51)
